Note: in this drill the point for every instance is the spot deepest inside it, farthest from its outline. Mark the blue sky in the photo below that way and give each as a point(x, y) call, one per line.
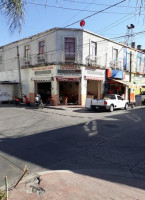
point(59, 13)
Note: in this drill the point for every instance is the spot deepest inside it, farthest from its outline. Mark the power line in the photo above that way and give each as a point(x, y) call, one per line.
point(114, 23)
point(71, 23)
point(98, 12)
point(74, 9)
point(97, 4)
point(83, 45)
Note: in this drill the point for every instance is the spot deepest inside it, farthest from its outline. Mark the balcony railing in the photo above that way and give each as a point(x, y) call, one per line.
point(71, 57)
point(116, 64)
point(26, 61)
point(95, 61)
point(41, 59)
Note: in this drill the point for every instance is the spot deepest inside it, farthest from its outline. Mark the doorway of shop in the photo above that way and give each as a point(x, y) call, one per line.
point(69, 93)
point(93, 89)
point(44, 89)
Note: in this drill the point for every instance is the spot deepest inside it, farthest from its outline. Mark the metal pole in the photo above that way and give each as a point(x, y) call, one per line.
point(130, 66)
point(130, 74)
point(6, 184)
point(19, 70)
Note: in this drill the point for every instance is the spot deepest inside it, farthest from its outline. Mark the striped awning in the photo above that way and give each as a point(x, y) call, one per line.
point(95, 78)
point(42, 78)
point(129, 84)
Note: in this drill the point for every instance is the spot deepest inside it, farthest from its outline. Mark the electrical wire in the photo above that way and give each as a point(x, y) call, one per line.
point(84, 45)
point(68, 24)
point(97, 4)
point(74, 9)
point(116, 22)
point(76, 14)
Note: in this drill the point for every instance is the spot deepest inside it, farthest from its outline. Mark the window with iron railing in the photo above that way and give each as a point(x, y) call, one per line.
point(93, 51)
point(128, 62)
point(69, 49)
point(1, 60)
point(42, 47)
point(26, 51)
point(115, 55)
point(144, 66)
point(138, 64)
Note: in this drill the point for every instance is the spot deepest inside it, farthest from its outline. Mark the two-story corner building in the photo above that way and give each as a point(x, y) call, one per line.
point(67, 64)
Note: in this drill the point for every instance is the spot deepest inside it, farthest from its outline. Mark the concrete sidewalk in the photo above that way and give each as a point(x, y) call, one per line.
point(67, 185)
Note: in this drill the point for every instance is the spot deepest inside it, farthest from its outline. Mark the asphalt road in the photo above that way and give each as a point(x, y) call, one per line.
point(86, 142)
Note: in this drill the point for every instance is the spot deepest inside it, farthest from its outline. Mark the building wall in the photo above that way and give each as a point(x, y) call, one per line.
point(54, 48)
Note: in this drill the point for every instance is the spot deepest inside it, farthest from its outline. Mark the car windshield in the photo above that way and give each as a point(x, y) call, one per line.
point(143, 93)
point(109, 96)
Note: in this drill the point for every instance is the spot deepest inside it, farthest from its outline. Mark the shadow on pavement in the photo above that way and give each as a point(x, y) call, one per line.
point(98, 148)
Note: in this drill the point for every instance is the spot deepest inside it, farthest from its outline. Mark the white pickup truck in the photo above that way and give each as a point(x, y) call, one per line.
point(110, 102)
point(143, 96)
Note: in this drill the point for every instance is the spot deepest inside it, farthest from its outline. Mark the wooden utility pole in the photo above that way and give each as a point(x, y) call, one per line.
point(19, 70)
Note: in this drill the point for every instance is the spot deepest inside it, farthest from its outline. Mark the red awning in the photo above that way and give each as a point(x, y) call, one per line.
point(94, 78)
point(68, 79)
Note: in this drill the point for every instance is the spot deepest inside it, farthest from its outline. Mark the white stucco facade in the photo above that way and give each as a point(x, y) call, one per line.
point(92, 54)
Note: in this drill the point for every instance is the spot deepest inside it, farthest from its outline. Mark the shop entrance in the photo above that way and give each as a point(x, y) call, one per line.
point(93, 89)
point(68, 93)
point(117, 88)
point(44, 89)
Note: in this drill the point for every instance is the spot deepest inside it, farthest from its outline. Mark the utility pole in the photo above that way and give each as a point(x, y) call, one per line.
point(130, 73)
point(19, 71)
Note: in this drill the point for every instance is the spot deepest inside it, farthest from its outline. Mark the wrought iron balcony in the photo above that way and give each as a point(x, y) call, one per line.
point(95, 61)
point(41, 59)
point(71, 57)
point(26, 61)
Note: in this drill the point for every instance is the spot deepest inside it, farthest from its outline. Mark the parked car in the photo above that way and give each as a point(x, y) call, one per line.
point(143, 96)
point(110, 102)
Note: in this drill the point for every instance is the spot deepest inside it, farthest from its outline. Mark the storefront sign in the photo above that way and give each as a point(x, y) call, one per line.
point(69, 72)
point(95, 74)
point(114, 74)
point(42, 73)
point(139, 79)
point(42, 68)
point(69, 67)
point(68, 79)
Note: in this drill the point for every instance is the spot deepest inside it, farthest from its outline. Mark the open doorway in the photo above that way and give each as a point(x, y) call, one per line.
point(44, 89)
point(68, 93)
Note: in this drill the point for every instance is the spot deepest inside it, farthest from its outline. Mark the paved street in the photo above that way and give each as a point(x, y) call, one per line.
point(88, 143)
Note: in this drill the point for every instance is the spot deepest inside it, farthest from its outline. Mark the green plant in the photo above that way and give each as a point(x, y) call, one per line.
point(2, 195)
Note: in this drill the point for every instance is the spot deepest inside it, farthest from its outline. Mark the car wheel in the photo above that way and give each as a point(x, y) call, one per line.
point(111, 109)
point(126, 106)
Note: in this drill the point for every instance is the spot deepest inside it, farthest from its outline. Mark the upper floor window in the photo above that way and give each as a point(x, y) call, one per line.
point(144, 66)
point(128, 61)
point(1, 60)
point(115, 54)
point(42, 47)
point(27, 51)
point(93, 50)
point(69, 49)
point(138, 61)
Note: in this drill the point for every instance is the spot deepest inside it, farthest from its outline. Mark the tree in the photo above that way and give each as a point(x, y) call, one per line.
point(14, 12)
